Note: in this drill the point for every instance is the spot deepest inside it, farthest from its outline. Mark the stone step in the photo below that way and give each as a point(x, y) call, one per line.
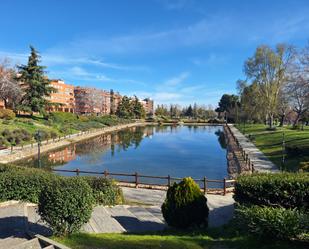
point(35, 224)
point(102, 222)
point(149, 221)
point(125, 218)
point(11, 241)
point(156, 211)
point(30, 244)
point(49, 247)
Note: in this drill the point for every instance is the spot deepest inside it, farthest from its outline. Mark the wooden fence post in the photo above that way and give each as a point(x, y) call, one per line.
point(136, 180)
point(168, 180)
point(224, 186)
point(205, 185)
point(77, 172)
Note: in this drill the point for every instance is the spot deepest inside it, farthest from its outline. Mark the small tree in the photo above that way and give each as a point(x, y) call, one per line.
point(36, 84)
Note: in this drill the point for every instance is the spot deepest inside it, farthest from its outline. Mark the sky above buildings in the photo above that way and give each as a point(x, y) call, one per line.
point(173, 51)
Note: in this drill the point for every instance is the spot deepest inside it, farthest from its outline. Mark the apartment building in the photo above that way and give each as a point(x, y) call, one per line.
point(2, 106)
point(91, 101)
point(63, 99)
point(148, 105)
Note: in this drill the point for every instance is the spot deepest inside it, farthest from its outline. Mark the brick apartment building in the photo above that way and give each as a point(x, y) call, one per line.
point(64, 97)
point(148, 105)
point(2, 104)
point(91, 101)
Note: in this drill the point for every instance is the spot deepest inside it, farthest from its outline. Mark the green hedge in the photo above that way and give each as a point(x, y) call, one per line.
point(26, 184)
point(105, 191)
point(23, 184)
point(288, 190)
point(280, 223)
point(66, 204)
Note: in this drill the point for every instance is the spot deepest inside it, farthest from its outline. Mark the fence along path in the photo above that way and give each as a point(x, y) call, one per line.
point(136, 181)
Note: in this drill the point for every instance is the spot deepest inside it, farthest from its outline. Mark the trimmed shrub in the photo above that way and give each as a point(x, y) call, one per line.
point(289, 190)
point(23, 184)
point(7, 114)
point(66, 205)
point(105, 191)
point(185, 205)
point(280, 223)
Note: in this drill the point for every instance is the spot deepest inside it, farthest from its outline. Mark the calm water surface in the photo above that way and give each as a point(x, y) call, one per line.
point(180, 151)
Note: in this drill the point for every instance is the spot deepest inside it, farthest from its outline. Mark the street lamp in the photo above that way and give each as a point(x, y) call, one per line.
point(38, 137)
point(283, 151)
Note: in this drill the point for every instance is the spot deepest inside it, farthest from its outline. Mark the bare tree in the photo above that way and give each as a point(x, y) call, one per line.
point(10, 91)
point(298, 85)
point(268, 68)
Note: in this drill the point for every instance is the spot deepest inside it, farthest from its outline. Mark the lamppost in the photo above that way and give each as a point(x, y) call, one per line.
point(38, 137)
point(283, 151)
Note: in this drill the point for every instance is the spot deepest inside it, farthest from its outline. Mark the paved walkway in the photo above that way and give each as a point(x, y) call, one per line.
point(221, 207)
point(16, 218)
point(260, 161)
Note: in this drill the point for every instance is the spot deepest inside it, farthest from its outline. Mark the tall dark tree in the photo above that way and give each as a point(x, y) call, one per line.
point(228, 104)
point(189, 112)
point(112, 101)
point(138, 109)
point(124, 109)
point(35, 83)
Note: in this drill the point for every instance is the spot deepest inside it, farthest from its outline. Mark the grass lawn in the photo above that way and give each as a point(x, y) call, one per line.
point(58, 124)
point(270, 142)
point(173, 240)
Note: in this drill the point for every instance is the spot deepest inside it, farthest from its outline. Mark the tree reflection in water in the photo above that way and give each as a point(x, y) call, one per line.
point(221, 138)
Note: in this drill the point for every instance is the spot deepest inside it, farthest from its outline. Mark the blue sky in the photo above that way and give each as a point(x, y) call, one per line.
point(180, 51)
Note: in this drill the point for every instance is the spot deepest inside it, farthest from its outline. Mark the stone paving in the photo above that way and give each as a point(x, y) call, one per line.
point(16, 218)
point(260, 161)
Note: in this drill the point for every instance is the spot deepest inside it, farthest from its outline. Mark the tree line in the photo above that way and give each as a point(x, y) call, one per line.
point(194, 111)
point(276, 88)
point(26, 89)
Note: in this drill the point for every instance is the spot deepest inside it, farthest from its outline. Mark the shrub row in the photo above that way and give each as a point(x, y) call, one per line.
point(288, 190)
point(26, 184)
point(280, 223)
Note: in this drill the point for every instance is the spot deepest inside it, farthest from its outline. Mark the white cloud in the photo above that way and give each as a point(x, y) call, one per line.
point(176, 80)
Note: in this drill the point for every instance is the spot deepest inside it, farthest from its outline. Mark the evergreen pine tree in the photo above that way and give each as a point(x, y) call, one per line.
point(189, 111)
point(112, 101)
point(124, 109)
point(138, 109)
point(35, 84)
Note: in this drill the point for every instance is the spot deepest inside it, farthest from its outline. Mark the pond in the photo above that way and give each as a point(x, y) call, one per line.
point(178, 151)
